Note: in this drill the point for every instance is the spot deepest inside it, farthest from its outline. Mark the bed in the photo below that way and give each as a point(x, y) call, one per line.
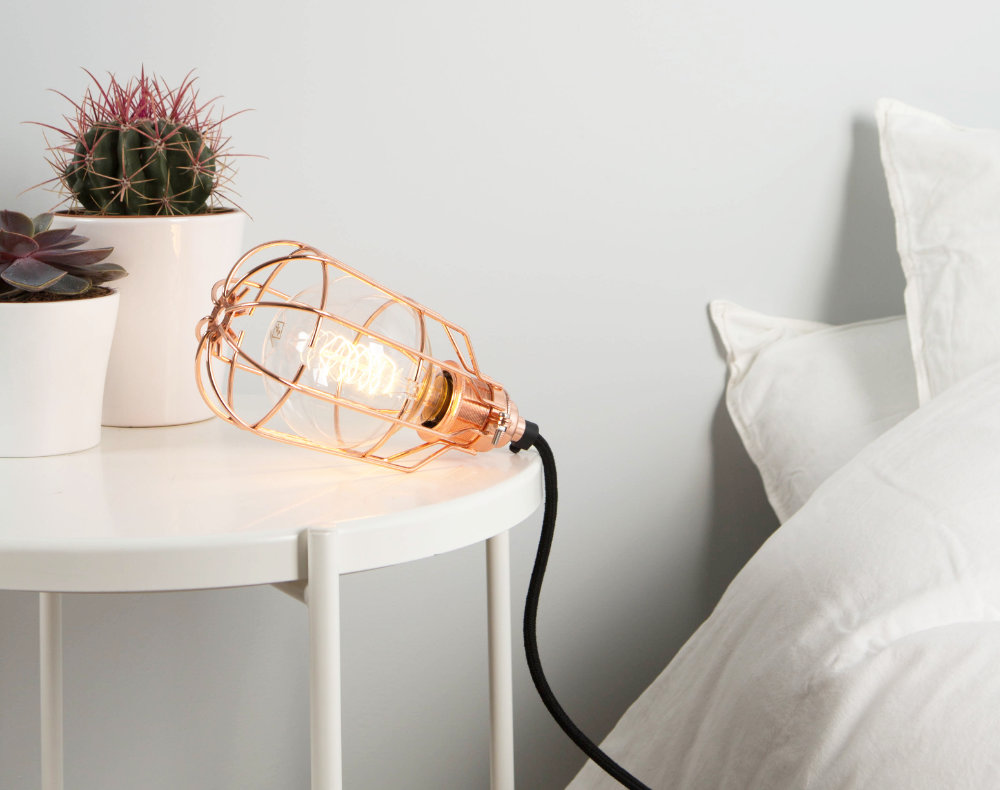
point(859, 647)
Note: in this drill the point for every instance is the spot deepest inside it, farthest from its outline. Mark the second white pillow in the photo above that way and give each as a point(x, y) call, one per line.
point(805, 397)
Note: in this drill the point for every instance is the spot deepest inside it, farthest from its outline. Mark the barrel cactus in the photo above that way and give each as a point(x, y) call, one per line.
point(37, 259)
point(141, 148)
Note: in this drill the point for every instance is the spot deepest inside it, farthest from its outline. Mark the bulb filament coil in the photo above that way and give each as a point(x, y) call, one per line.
point(364, 366)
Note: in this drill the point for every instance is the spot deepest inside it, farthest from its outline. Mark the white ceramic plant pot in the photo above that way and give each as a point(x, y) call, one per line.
point(172, 264)
point(53, 357)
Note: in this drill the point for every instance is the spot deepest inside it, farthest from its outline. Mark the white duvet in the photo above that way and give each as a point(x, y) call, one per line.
point(860, 647)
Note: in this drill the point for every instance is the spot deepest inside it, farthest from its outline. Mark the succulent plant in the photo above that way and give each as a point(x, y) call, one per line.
point(140, 147)
point(37, 258)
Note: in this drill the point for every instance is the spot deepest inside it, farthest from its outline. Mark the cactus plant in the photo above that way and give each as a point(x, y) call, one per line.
point(142, 148)
point(35, 259)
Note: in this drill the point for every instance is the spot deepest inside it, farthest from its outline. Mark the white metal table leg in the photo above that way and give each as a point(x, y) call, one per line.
point(501, 682)
point(323, 599)
point(51, 682)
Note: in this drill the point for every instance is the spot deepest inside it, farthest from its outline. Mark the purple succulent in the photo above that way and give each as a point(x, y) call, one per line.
point(34, 257)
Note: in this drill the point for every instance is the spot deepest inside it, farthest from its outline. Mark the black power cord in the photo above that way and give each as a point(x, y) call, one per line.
point(531, 438)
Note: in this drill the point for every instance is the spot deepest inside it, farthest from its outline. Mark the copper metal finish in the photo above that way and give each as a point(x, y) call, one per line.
point(473, 414)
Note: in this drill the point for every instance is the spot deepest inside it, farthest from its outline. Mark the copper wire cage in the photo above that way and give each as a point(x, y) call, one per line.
point(474, 413)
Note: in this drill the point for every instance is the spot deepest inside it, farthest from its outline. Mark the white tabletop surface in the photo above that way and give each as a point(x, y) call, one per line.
point(208, 505)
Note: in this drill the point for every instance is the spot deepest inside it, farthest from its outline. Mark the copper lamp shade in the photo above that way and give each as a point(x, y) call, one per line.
point(345, 364)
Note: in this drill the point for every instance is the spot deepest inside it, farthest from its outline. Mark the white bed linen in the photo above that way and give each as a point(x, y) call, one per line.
point(860, 647)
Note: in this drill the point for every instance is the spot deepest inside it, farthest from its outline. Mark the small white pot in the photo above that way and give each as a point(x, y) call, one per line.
point(172, 264)
point(53, 356)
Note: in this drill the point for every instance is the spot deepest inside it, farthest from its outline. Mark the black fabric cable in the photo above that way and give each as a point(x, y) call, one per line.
point(532, 438)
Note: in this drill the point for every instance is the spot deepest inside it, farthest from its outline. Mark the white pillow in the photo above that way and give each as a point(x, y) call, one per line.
point(944, 184)
point(806, 397)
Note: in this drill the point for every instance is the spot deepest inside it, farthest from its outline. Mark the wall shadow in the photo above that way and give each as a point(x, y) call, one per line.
point(866, 279)
point(741, 517)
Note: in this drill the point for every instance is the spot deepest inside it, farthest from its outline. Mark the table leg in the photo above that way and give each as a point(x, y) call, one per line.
point(323, 599)
point(51, 682)
point(501, 683)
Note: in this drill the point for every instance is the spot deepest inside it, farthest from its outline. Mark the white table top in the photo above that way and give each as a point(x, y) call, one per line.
point(208, 505)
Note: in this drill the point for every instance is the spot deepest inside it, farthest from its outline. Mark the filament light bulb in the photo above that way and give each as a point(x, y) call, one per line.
point(331, 356)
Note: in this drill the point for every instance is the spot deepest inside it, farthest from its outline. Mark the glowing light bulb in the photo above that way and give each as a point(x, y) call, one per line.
point(345, 357)
point(347, 367)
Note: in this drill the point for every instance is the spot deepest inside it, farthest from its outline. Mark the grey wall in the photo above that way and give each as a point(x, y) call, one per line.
point(572, 181)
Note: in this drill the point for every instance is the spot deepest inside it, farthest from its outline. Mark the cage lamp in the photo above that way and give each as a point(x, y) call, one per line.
point(346, 365)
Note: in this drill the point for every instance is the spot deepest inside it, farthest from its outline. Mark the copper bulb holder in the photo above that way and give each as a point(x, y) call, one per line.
point(448, 403)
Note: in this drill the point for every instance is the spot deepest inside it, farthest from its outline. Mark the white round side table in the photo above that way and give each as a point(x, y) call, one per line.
point(206, 506)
